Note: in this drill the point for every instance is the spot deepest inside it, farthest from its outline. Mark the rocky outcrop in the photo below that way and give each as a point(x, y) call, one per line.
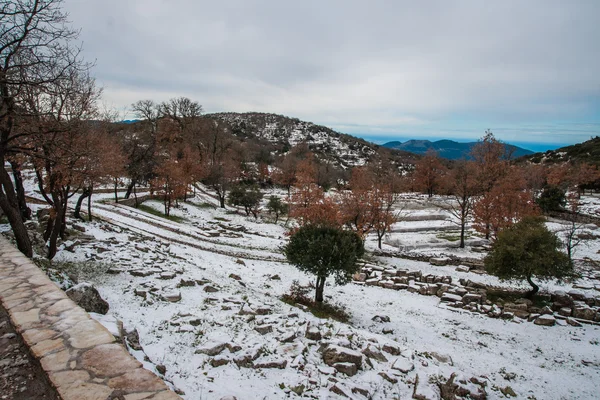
point(87, 297)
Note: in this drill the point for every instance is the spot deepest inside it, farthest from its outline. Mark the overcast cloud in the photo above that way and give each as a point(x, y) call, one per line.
point(529, 70)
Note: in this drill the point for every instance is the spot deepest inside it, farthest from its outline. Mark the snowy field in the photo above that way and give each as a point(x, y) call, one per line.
point(229, 334)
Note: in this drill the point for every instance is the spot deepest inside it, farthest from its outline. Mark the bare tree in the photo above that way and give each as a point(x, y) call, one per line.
point(464, 186)
point(35, 50)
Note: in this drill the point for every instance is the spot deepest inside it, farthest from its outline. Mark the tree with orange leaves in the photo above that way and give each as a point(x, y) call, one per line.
point(504, 205)
point(429, 173)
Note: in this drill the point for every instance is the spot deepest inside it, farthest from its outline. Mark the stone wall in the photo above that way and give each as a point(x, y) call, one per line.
point(81, 358)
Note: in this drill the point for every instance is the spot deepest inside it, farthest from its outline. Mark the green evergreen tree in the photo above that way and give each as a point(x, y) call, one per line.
point(325, 251)
point(526, 250)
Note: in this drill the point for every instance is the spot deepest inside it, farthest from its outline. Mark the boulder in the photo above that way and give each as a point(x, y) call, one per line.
point(211, 348)
point(337, 354)
point(173, 296)
point(88, 298)
point(573, 322)
point(545, 320)
point(185, 282)
point(583, 311)
point(391, 349)
point(264, 329)
point(471, 298)
point(374, 353)
point(312, 333)
point(403, 365)
point(565, 311)
point(210, 289)
point(347, 368)
point(449, 297)
point(167, 275)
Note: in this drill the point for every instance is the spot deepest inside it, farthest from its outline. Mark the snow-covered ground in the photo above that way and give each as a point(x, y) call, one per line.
point(229, 271)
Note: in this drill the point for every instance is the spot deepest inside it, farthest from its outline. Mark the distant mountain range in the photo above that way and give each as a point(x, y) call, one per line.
point(448, 148)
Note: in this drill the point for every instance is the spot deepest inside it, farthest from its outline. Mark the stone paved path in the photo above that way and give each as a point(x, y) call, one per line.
point(21, 377)
point(80, 357)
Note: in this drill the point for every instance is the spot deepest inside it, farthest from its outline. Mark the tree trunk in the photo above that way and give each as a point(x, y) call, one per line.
point(116, 193)
point(221, 200)
point(462, 234)
point(10, 207)
point(25, 211)
point(379, 237)
point(135, 196)
point(52, 245)
point(86, 193)
point(319, 289)
point(533, 291)
point(90, 204)
point(130, 187)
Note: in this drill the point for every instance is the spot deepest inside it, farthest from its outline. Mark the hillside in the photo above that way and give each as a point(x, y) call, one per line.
point(285, 132)
point(588, 152)
point(446, 148)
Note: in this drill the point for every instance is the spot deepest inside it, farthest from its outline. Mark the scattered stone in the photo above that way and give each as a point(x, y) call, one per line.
point(545, 320)
point(312, 333)
point(381, 318)
point(449, 297)
point(347, 368)
point(374, 353)
point(391, 349)
point(88, 298)
point(288, 337)
point(337, 354)
point(211, 348)
point(439, 261)
point(114, 271)
point(172, 297)
point(219, 361)
point(441, 357)
point(275, 278)
point(263, 311)
point(167, 275)
point(210, 289)
point(341, 390)
point(463, 268)
point(185, 282)
point(140, 292)
point(279, 364)
point(388, 376)
point(573, 322)
point(403, 365)
point(264, 329)
point(565, 312)
point(142, 272)
point(161, 369)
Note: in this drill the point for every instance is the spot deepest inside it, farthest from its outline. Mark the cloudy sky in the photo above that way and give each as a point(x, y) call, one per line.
point(384, 70)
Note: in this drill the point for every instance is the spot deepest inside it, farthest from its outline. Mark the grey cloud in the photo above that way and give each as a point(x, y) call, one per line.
point(351, 62)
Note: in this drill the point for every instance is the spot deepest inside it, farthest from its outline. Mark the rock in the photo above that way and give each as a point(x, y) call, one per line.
point(441, 357)
point(167, 275)
point(381, 318)
point(263, 311)
point(236, 277)
point(463, 268)
point(546, 311)
point(161, 369)
point(275, 278)
point(211, 348)
point(114, 271)
point(288, 337)
point(219, 361)
point(439, 261)
point(142, 272)
point(240, 261)
point(449, 297)
point(471, 298)
point(347, 368)
point(264, 329)
point(374, 353)
point(565, 311)
point(545, 320)
point(210, 289)
point(88, 298)
point(312, 333)
point(172, 297)
point(132, 338)
point(403, 365)
point(140, 292)
point(583, 311)
point(359, 277)
point(361, 390)
point(391, 349)
point(185, 282)
point(337, 354)
point(573, 322)
point(246, 310)
point(228, 398)
point(388, 377)
point(341, 390)
point(577, 294)
point(279, 364)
